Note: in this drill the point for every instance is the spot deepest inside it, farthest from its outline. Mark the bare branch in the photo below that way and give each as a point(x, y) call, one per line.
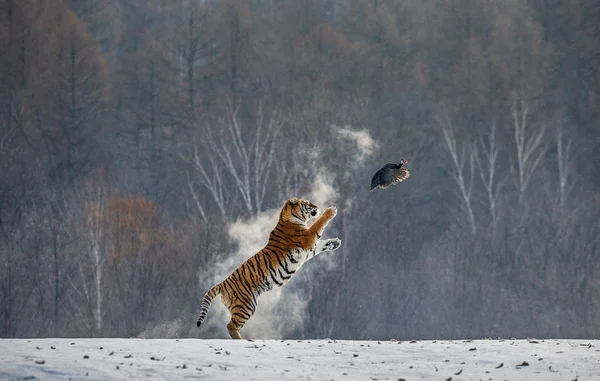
point(209, 172)
point(465, 185)
point(487, 166)
point(197, 200)
point(527, 147)
point(98, 235)
point(246, 157)
point(564, 164)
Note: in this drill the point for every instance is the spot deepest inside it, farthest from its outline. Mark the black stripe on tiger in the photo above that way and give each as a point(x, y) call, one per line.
point(272, 271)
point(282, 264)
point(236, 284)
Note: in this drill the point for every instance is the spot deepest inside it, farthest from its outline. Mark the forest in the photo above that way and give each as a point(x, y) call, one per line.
point(146, 147)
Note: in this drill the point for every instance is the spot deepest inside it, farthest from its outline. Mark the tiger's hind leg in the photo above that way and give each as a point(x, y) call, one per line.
point(241, 312)
point(234, 329)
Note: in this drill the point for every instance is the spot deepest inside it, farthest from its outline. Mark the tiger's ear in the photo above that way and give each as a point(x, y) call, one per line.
point(293, 201)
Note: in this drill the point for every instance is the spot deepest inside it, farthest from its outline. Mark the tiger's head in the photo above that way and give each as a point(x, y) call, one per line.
point(299, 210)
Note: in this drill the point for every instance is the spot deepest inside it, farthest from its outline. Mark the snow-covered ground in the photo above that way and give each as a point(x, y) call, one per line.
point(173, 359)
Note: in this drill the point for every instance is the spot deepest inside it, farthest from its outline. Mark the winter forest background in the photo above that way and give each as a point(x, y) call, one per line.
point(145, 146)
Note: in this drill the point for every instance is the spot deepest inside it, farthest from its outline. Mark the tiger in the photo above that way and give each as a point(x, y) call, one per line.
point(291, 243)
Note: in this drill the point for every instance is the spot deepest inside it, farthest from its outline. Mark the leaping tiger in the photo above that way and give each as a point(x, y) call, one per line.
point(290, 244)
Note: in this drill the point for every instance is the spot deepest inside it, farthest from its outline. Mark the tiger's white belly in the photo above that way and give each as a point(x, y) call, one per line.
point(283, 273)
point(301, 256)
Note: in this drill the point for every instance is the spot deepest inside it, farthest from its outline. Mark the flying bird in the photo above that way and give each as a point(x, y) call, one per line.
point(390, 174)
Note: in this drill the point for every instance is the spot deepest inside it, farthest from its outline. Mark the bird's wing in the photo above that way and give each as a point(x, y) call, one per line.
point(377, 180)
point(385, 177)
point(398, 175)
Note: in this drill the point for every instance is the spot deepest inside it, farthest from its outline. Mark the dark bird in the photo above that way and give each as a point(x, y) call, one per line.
point(390, 174)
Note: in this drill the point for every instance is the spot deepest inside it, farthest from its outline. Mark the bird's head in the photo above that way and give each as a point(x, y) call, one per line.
point(403, 161)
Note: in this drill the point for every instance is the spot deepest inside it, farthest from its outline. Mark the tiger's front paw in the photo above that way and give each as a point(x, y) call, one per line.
point(332, 244)
point(330, 212)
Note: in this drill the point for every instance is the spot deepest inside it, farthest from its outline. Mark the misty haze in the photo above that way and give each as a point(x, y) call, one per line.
point(147, 147)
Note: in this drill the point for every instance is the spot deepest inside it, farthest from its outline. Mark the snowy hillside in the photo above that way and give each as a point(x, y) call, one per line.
point(172, 359)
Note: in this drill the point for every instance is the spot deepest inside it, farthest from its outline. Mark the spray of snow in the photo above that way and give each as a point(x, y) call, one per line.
point(323, 194)
point(361, 138)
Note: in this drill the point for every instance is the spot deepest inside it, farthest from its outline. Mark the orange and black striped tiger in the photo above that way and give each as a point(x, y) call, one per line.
point(291, 243)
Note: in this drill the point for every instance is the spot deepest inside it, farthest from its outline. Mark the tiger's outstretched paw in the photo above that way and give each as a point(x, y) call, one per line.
point(331, 212)
point(332, 244)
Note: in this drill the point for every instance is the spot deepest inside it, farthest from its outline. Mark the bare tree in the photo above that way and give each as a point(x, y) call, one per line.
point(9, 129)
point(565, 157)
point(102, 18)
point(208, 170)
point(189, 52)
point(488, 172)
point(56, 279)
point(15, 277)
point(258, 154)
point(463, 177)
point(97, 233)
point(81, 95)
point(246, 156)
point(528, 148)
point(141, 259)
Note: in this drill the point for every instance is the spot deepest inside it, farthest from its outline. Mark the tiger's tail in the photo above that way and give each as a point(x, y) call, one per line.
point(206, 301)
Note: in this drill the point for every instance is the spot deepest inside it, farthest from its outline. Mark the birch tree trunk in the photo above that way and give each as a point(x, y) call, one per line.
point(463, 177)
